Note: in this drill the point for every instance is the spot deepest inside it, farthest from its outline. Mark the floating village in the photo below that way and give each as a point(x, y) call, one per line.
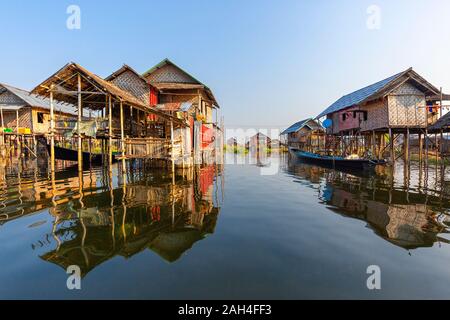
point(137, 159)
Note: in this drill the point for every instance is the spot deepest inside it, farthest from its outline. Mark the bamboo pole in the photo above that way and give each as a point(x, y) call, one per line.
point(172, 151)
point(426, 146)
point(391, 138)
point(420, 148)
point(406, 143)
point(52, 133)
point(79, 146)
point(122, 136)
point(441, 147)
point(2, 142)
point(110, 131)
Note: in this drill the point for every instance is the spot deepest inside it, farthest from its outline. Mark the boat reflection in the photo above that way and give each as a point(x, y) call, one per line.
point(399, 214)
point(100, 214)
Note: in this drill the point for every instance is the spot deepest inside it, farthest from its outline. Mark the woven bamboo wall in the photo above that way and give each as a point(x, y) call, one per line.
point(406, 107)
point(377, 116)
point(131, 83)
point(24, 118)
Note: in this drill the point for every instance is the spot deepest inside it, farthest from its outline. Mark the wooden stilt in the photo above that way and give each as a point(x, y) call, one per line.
point(172, 151)
point(373, 143)
point(392, 146)
point(110, 131)
point(2, 137)
point(441, 147)
point(122, 136)
point(420, 148)
point(406, 145)
point(426, 146)
point(52, 131)
point(79, 146)
point(436, 148)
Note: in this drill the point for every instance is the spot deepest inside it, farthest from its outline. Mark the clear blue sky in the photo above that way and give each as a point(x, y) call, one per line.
point(270, 63)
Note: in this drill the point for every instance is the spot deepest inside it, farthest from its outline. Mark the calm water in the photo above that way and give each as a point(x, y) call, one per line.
point(232, 232)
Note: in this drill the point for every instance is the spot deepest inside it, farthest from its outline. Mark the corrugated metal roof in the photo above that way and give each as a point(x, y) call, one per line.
point(296, 126)
point(358, 96)
point(442, 124)
point(39, 101)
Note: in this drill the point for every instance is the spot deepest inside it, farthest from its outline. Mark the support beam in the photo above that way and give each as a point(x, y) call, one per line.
point(2, 142)
point(52, 131)
point(122, 136)
point(79, 146)
point(406, 146)
point(420, 148)
point(172, 151)
point(392, 146)
point(110, 133)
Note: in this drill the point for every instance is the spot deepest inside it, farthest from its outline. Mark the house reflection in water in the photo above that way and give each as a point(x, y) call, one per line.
point(406, 219)
point(150, 211)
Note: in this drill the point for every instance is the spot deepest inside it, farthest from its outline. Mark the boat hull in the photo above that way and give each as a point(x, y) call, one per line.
point(72, 155)
point(338, 162)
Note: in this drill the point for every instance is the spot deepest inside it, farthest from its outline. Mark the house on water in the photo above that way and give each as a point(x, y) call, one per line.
point(25, 116)
point(117, 119)
point(402, 104)
point(307, 134)
point(169, 89)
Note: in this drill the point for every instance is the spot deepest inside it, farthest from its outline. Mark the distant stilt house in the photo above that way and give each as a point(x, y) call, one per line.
point(305, 135)
point(404, 103)
point(25, 116)
point(232, 142)
point(258, 142)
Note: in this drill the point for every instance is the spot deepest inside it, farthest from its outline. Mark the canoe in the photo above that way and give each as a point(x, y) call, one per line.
point(72, 155)
point(332, 161)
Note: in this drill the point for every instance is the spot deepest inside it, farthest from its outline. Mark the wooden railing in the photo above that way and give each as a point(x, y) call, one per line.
point(151, 148)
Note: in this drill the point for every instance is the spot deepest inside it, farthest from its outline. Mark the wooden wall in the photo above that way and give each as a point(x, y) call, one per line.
point(24, 118)
point(406, 107)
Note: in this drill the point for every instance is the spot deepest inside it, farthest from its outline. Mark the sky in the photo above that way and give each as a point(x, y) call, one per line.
point(269, 63)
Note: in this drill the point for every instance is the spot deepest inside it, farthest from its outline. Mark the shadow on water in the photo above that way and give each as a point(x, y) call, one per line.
point(408, 209)
point(99, 214)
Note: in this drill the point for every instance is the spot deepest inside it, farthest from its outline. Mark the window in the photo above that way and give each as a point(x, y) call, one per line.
point(40, 117)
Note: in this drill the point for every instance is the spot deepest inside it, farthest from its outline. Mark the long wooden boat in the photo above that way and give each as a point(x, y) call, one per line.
point(72, 155)
point(332, 161)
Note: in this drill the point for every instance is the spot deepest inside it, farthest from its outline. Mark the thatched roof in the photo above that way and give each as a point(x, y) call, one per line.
point(94, 90)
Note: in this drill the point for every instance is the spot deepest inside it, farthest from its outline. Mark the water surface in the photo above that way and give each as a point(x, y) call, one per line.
point(232, 232)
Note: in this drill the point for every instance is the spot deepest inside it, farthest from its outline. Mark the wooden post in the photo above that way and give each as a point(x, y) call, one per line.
point(52, 131)
point(436, 147)
point(79, 146)
point(420, 148)
point(172, 152)
point(2, 142)
point(391, 138)
point(19, 146)
point(406, 143)
point(110, 131)
point(426, 146)
point(122, 136)
point(374, 142)
point(441, 145)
